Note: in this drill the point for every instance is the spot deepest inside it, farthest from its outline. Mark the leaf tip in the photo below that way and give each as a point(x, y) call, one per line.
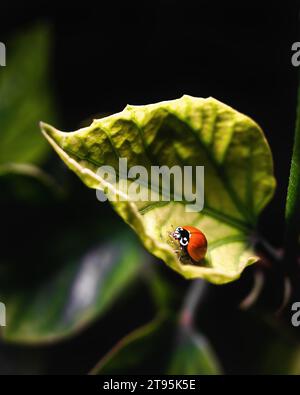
point(46, 129)
point(51, 133)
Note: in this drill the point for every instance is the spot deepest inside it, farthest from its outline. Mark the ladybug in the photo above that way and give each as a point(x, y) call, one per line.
point(193, 243)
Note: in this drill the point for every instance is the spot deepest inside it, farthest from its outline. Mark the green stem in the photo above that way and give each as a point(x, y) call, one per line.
point(292, 213)
point(194, 296)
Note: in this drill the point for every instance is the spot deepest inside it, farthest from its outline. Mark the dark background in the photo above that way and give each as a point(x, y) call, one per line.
point(111, 54)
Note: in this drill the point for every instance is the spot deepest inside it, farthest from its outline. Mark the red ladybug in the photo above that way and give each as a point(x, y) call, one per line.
point(193, 243)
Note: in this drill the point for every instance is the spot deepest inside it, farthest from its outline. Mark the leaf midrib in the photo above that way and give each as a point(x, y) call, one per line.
point(220, 172)
point(207, 210)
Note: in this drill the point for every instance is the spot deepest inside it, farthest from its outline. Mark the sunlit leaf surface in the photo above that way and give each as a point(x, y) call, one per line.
point(190, 131)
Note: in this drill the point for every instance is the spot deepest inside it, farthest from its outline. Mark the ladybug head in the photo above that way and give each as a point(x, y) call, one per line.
point(182, 235)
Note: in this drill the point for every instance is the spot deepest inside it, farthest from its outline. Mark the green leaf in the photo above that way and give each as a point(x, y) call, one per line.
point(149, 349)
point(292, 211)
point(191, 131)
point(193, 355)
point(29, 170)
point(144, 350)
point(25, 97)
point(71, 297)
point(289, 361)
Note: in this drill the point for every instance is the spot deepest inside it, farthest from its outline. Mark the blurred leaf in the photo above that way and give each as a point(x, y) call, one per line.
point(29, 170)
point(292, 210)
point(71, 297)
point(143, 351)
point(193, 355)
point(149, 349)
point(277, 345)
point(160, 288)
point(25, 96)
point(281, 357)
point(189, 131)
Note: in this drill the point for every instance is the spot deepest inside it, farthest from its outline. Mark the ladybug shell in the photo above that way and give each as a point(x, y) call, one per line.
point(197, 245)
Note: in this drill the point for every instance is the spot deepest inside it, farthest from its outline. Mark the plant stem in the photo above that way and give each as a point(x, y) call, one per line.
point(194, 295)
point(292, 213)
point(263, 245)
